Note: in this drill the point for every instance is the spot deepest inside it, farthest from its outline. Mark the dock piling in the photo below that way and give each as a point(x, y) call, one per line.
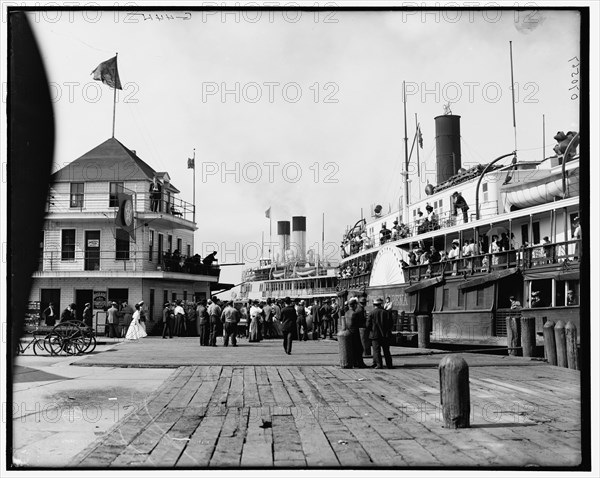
point(571, 339)
point(561, 344)
point(549, 343)
point(513, 336)
point(454, 391)
point(424, 331)
point(528, 336)
point(344, 339)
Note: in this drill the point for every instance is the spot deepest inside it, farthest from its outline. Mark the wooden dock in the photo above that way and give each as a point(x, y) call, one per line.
point(308, 416)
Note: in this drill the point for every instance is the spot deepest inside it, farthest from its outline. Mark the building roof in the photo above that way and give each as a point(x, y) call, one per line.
point(109, 161)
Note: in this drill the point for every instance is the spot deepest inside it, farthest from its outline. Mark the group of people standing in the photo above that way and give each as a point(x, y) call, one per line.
point(127, 323)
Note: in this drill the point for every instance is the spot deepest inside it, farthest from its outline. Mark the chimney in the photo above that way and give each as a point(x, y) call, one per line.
point(447, 146)
point(283, 235)
point(298, 244)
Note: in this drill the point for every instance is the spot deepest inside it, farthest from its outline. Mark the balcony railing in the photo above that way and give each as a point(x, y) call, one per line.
point(145, 202)
point(126, 260)
point(525, 258)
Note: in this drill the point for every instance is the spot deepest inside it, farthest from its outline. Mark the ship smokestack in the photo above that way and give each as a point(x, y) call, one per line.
point(447, 146)
point(283, 235)
point(298, 244)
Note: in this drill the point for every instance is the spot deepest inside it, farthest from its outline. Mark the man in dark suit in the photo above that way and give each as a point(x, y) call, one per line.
point(288, 325)
point(166, 319)
point(379, 325)
point(203, 323)
point(356, 322)
point(50, 315)
point(68, 313)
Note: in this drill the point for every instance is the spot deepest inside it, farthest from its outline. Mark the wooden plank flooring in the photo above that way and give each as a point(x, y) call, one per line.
point(307, 416)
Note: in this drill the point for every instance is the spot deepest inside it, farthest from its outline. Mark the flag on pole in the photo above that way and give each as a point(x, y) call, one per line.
point(191, 163)
point(107, 73)
point(268, 213)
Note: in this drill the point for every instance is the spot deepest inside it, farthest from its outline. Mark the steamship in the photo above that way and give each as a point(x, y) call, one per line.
point(292, 271)
point(531, 207)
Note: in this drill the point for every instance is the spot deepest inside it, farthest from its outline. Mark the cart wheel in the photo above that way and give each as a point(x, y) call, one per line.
point(38, 346)
point(53, 343)
point(90, 344)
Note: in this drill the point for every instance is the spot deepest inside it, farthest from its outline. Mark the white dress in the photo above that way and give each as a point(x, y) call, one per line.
point(135, 330)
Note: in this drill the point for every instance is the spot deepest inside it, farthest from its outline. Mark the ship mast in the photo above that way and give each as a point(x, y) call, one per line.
point(406, 192)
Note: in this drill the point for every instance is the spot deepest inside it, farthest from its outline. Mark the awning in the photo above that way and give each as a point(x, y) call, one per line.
point(423, 284)
point(491, 277)
point(532, 274)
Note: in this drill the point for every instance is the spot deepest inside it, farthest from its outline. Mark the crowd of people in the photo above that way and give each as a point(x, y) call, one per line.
point(358, 240)
point(176, 262)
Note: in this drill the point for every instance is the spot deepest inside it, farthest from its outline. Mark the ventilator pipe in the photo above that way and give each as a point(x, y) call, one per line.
point(485, 170)
point(564, 162)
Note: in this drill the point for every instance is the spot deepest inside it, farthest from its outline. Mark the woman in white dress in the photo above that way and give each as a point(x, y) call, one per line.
point(135, 330)
point(142, 316)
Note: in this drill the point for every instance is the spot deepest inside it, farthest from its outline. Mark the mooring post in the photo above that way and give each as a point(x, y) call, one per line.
point(454, 391)
point(571, 338)
point(528, 336)
point(345, 348)
point(561, 344)
point(424, 331)
point(549, 343)
point(513, 340)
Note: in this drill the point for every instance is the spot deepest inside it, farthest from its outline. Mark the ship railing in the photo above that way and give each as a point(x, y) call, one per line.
point(417, 227)
point(73, 259)
point(524, 257)
point(108, 202)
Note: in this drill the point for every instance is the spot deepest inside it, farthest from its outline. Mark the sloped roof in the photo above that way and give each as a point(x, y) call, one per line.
point(109, 161)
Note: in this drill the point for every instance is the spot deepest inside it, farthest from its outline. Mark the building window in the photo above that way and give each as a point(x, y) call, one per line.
point(484, 188)
point(174, 296)
point(567, 293)
point(151, 246)
point(179, 246)
point(184, 295)
point(68, 245)
point(169, 243)
point(160, 247)
point(189, 250)
point(122, 245)
point(461, 298)
point(77, 195)
point(115, 189)
point(536, 233)
point(165, 296)
point(479, 296)
point(445, 297)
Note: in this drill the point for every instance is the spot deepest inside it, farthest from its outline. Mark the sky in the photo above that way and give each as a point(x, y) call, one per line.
point(303, 112)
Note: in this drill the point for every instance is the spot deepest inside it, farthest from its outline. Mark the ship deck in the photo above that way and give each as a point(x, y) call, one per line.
point(254, 406)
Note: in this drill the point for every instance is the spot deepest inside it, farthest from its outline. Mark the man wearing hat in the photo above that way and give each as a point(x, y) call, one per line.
point(453, 255)
point(536, 300)
point(167, 318)
point(577, 236)
point(356, 321)
point(87, 314)
point(203, 323)
point(127, 312)
point(379, 325)
point(68, 313)
point(289, 319)
point(364, 334)
point(326, 316)
point(112, 320)
point(460, 203)
point(216, 326)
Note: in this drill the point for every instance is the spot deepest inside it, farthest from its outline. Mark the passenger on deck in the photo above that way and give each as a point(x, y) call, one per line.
point(384, 234)
point(460, 203)
point(432, 218)
point(453, 255)
point(412, 259)
point(536, 300)
point(514, 303)
point(208, 260)
point(571, 298)
point(434, 255)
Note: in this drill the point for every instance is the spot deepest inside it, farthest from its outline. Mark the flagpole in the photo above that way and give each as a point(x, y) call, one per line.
point(114, 98)
point(418, 159)
point(194, 187)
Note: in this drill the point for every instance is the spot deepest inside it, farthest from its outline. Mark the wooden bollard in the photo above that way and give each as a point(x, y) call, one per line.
point(571, 339)
point(528, 336)
point(424, 331)
point(549, 343)
point(513, 340)
point(561, 344)
point(344, 340)
point(454, 391)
